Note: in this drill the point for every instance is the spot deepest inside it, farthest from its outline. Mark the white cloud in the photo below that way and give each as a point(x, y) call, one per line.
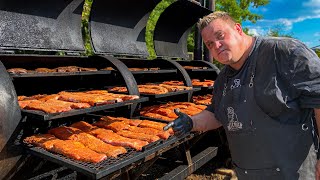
point(254, 32)
point(312, 3)
point(317, 34)
point(289, 22)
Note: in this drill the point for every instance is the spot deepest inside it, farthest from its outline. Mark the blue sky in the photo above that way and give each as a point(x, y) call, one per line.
point(300, 18)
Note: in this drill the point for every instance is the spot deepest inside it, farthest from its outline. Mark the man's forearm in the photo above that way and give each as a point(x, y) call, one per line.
point(205, 121)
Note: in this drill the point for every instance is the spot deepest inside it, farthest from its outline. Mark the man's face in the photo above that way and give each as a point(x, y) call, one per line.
point(223, 41)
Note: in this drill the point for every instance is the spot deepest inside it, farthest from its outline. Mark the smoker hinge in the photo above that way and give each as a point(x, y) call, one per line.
point(72, 53)
point(6, 51)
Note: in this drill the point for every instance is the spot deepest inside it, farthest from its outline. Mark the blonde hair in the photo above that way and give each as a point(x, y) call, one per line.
point(206, 20)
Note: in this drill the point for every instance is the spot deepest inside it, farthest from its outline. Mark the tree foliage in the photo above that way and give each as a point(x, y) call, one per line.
point(239, 9)
point(318, 52)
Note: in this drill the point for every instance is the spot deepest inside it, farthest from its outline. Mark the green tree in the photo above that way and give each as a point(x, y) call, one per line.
point(239, 10)
point(318, 52)
point(277, 31)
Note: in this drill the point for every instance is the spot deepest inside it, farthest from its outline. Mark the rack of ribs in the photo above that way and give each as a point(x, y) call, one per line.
point(55, 106)
point(110, 137)
point(69, 148)
point(91, 142)
point(131, 122)
point(92, 99)
point(151, 131)
point(154, 125)
point(114, 126)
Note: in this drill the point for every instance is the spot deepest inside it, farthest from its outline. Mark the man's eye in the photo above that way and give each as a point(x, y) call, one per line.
point(209, 45)
point(220, 36)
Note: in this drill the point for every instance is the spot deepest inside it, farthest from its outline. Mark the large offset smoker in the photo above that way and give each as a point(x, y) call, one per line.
point(117, 29)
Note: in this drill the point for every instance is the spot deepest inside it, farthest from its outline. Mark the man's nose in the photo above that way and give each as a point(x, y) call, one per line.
point(217, 44)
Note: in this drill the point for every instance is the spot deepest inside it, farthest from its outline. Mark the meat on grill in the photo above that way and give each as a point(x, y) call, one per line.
point(91, 142)
point(156, 116)
point(55, 106)
point(203, 100)
point(166, 111)
point(92, 99)
point(45, 141)
point(68, 148)
point(151, 131)
point(110, 137)
point(45, 70)
point(17, 70)
point(131, 122)
point(138, 135)
point(77, 151)
point(114, 126)
point(154, 125)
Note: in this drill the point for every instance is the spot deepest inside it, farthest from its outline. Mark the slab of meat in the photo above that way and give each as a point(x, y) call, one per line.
point(131, 122)
point(45, 70)
point(67, 69)
point(87, 69)
point(45, 141)
point(91, 142)
point(109, 136)
point(114, 126)
point(55, 106)
point(77, 151)
point(179, 83)
point(17, 70)
point(24, 103)
point(92, 99)
point(138, 135)
point(84, 126)
point(174, 88)
point(154, 125)
point(69, 148)
point(48, 97)
point(161, 134)
point(97, 92)
point(156, 116)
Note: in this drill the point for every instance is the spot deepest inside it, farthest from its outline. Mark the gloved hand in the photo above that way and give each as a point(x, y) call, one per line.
point(182, 125)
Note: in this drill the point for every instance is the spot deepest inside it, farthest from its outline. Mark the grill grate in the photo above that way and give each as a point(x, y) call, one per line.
point(99, 170)
point(39, 115)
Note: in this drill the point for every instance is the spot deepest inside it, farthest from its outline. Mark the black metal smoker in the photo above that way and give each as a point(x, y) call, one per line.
point(117, 28)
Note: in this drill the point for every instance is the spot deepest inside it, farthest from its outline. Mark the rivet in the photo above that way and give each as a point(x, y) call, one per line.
point(246, 172)
point(278, 169)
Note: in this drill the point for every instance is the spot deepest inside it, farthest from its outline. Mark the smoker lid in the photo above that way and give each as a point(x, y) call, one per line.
point(118, 26)
point(173, 27)
point(52, 25)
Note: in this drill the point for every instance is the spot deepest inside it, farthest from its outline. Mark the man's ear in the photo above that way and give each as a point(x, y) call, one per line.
point(238, 28)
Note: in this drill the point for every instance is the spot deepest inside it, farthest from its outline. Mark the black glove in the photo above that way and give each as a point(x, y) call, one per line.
point(182, 125)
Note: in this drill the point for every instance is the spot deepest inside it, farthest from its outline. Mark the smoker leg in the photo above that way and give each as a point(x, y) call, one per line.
point(200, 159)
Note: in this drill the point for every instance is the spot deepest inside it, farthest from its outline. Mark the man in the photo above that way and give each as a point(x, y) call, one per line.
point(265, 97)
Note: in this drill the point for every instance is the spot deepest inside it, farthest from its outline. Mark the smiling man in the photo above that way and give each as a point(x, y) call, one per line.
point(266, 98)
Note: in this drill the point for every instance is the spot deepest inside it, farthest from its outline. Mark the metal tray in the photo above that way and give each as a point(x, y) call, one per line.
point(39, 115)
point(170, 93)
point(155, 71)
point(102, 169)
point(54, 74)
point(201, 70)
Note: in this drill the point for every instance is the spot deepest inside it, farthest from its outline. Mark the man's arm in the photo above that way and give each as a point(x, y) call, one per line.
point(205, 121)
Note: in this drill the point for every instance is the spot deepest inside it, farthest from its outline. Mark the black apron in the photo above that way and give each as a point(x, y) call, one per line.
point(261, 147)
